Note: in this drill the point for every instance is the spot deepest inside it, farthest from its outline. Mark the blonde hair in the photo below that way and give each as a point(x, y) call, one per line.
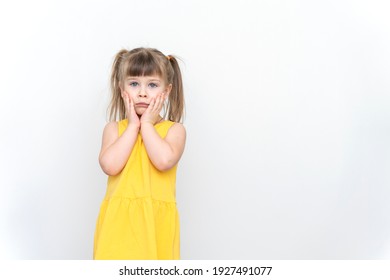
point(146, 62)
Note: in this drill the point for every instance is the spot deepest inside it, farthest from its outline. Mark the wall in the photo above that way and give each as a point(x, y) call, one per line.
point(288, 124)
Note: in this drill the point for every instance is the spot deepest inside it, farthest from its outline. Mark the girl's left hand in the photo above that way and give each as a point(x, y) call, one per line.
point(152, 113)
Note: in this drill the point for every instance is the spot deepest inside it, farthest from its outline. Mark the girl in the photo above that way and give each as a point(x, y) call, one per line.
point(138, 218)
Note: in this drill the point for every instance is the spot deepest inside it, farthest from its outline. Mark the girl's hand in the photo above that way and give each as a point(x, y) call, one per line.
point(152, 113)
point(130, 110)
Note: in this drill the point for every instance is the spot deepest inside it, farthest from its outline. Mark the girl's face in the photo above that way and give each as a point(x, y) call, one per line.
point(142, 89)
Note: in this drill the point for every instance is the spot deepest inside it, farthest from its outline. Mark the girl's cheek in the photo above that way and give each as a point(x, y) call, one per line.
point(155, 91)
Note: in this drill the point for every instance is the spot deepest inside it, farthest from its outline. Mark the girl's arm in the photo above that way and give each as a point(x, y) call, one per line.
point(164, 153)
point(116, 149)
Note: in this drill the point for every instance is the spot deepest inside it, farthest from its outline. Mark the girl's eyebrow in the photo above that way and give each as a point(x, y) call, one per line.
point(154, 80)
point(136, 78)
point(149, 80)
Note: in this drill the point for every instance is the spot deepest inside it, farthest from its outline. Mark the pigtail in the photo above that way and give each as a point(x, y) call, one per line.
point(176, 97)
point(117, 107)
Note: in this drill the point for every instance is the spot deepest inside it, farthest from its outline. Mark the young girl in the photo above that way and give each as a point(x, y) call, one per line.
point(138, 218)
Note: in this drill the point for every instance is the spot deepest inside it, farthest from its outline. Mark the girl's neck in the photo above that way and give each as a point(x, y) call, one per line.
point(161, 119)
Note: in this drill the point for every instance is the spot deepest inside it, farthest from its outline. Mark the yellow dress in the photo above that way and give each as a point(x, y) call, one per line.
point(138, 218)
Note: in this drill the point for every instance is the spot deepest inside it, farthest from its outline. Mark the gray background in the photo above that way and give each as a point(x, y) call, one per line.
point(288, 124)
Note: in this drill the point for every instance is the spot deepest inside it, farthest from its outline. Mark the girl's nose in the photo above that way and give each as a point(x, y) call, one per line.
point(142, 93)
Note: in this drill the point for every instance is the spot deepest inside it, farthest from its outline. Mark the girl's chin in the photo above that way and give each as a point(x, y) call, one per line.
point(139, 112)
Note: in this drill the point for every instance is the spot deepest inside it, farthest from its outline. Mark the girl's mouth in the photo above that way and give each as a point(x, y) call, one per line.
point(142, 104)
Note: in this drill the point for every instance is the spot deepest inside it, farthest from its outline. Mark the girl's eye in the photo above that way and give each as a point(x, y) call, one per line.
point(153, 85)
point(133, 84)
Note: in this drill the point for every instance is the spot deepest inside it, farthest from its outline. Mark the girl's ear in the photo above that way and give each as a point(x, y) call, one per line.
point(168, 90)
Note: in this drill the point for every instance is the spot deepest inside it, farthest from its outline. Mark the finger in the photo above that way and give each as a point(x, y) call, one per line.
point(131, 103)
point(162, 99)
point(152, 104)
point(158, 102)
point(128, 101)
point(124, 97)
point(160, 105)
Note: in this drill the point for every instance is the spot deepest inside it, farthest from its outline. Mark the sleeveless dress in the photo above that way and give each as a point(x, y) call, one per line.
point(138, 218)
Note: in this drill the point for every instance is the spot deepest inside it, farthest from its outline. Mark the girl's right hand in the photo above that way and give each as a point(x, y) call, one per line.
point(130, 110)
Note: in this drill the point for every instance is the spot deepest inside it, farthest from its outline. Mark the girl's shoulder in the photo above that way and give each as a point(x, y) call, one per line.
point(170, 124)
point(111, 128)
point(112, 125)
point(176, 129)
point(178, 125)
point(117, 127)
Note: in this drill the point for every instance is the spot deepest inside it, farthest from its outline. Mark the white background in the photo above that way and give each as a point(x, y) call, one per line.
point(288, 124)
